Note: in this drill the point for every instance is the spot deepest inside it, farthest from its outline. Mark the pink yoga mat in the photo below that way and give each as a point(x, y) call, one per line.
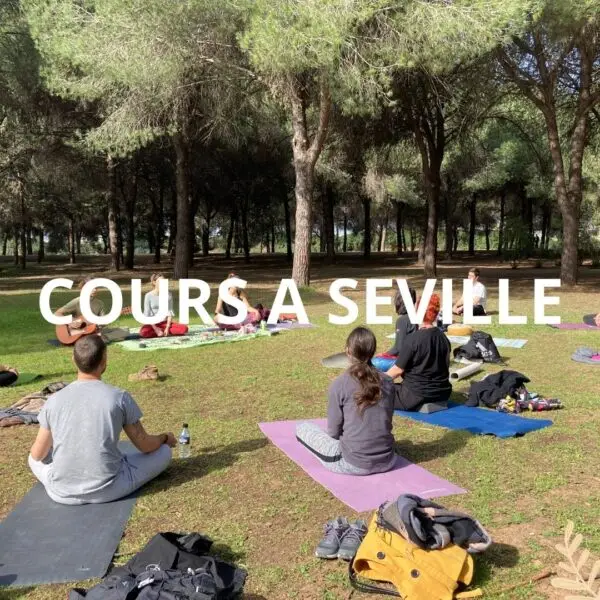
point(361, 493)
point(573, 326)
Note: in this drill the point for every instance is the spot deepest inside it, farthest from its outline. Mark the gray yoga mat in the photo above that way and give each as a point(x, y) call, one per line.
point(336, 361)
point(45, 542)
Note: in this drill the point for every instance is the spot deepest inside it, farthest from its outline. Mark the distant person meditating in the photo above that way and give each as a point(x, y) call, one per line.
point(8, 375)
point(359, 439)
point(593, 320)
point(423, 363)
point(151, 308)
point(109, 334)
point(479, 298)
point(75, 455)
point(404, 327)
point(226, 309)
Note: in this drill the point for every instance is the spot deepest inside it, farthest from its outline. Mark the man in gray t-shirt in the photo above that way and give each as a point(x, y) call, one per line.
point(76, 454)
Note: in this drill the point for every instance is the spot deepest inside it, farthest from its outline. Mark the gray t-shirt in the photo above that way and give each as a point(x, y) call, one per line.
point(152, 305)
point(86, 419)
point(366, 440)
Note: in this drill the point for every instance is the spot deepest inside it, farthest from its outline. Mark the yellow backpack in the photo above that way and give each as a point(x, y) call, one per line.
point(385, 556)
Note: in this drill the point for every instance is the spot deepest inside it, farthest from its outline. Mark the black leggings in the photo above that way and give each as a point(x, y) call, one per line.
point(7, 378)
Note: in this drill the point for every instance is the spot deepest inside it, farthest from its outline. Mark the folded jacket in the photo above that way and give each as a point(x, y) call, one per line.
point(430, 526)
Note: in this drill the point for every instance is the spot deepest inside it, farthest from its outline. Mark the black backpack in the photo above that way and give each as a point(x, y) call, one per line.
point(480, 346)
point(177, 564)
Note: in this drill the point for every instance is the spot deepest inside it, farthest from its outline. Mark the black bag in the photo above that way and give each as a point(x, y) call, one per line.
point(169, 556)
point(480, 346)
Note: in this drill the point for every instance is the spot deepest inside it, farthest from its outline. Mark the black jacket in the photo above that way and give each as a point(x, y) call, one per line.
point(490, 390)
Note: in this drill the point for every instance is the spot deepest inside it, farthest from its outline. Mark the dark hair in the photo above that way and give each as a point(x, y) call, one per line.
point(399, 301)
point(475, 271)
point(361, 345)
point(88, 353)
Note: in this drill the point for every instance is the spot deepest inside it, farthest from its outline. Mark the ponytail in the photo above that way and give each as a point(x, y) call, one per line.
point(361, 346)
point(370, 385)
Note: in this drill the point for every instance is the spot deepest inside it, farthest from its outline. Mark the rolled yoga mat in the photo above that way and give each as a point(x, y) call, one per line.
point(465, 371)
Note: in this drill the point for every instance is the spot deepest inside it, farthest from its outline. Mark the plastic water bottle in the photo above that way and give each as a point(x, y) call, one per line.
point(184, 442)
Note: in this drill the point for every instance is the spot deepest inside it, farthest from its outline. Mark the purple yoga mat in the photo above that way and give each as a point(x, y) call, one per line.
point(361, 493)
point(292, 325)
point(572, 326)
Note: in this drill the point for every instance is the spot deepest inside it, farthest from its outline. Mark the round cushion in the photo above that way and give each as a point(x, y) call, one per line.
point(459, 329)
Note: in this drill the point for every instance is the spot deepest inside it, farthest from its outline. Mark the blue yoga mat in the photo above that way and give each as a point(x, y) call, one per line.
point(480, 421)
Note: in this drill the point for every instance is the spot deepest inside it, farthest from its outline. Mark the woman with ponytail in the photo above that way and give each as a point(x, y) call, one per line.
point(423, 363)
point(359, 439)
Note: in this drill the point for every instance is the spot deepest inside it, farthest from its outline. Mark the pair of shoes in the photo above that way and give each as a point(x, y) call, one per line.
point(341, 539)
point(148, 373)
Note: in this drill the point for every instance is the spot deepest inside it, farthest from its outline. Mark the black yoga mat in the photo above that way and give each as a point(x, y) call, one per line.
point(45, 542)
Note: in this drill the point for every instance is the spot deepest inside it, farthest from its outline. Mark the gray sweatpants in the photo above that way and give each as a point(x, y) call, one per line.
point(137, 469)
point(329, 452)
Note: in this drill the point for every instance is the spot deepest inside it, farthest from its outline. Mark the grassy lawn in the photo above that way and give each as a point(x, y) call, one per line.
point(263, 511)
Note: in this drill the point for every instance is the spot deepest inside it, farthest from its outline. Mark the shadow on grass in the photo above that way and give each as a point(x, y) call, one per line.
point(418, 452)
point(497, 556)
point(208, 460)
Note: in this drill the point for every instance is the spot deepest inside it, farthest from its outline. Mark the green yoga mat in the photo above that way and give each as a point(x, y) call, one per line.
point(192, 340)
point(25, 378)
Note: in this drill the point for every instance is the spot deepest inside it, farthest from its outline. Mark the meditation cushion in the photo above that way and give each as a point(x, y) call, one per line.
point(460, 329)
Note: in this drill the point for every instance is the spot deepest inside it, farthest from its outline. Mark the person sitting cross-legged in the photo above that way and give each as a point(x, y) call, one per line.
point(359, 439)
point(478, 300)
point(423, 363)
point(76, 455)
point(151, 308)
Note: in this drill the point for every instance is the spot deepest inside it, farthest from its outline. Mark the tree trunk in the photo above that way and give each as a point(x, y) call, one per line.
point(413, 243)
point(111, 197)
point(182, 242)
point(120, 235)
point(23, 248)
point(405, 247)
point(345, 246)
point(501, 225)
point(245, 235)
point(329, 224)
point(272, 238)
point(41, 249)
point(322, 236)
point(306, 154)
point(383, 233)
point(367, 237)
point(130, 203)
point(288, 227)
point(158, 220)
point(455, 238)
point(399, 227)
point(472, 224)
point(29, 242)
point(16, 247)
point(448, 224)
point(548, 227)
point(487, 238)
point(150, 239)
point(72, 241)
point(303, 238)
point(78, 236)
point(105, 242)
point(206, 236)
point(5, 244)
point(232, 220)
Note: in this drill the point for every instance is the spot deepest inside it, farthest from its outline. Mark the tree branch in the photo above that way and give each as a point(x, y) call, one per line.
point(324, 114)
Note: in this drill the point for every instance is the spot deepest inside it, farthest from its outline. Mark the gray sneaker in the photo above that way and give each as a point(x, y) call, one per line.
point(330, 544)
point(351, 540)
